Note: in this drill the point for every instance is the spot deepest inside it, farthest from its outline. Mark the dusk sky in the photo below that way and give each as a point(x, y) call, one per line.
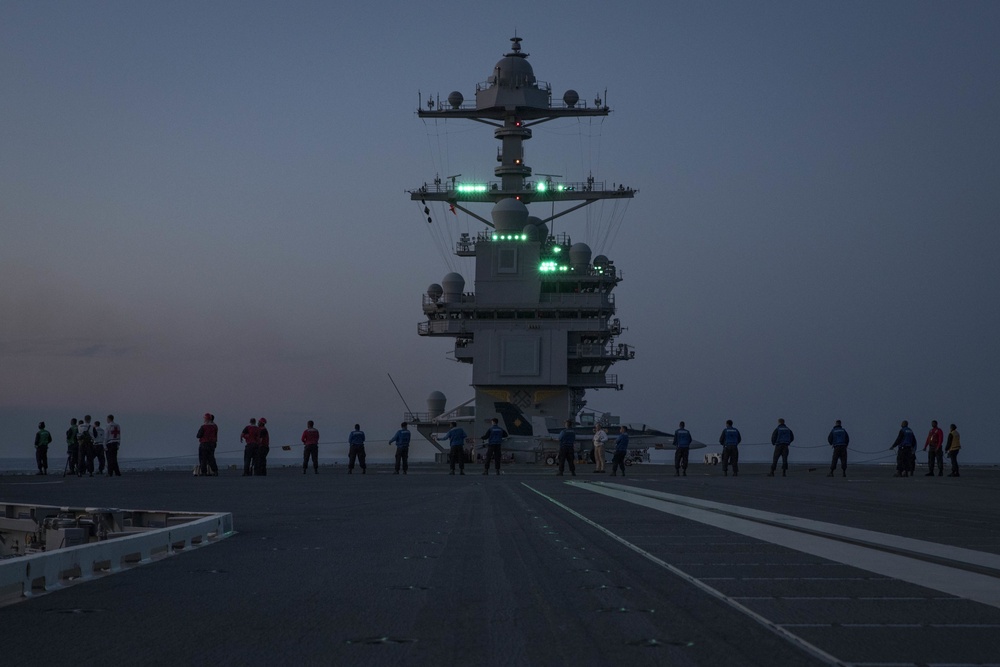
point(203, 207)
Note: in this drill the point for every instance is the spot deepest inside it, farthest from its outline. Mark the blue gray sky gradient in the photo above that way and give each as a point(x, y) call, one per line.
point(202, 208)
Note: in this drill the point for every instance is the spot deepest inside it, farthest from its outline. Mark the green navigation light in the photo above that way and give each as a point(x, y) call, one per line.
point(550, 266)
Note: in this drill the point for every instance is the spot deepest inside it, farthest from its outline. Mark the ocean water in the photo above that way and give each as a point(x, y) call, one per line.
point(57, 464)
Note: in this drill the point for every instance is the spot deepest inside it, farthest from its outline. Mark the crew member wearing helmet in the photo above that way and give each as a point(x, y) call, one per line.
point(263, 447)
point(42, 440)
point(310, 447)
point(249, 437)
point(208, 438)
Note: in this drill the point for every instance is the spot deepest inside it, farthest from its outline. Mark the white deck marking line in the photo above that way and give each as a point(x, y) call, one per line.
point(790, 637)
point(981, 559)
point(954, 581)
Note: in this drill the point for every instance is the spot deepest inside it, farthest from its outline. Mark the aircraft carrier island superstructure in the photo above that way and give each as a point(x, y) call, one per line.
point(539, 328)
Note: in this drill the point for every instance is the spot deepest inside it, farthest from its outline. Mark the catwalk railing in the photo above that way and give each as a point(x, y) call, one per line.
point(23, 576)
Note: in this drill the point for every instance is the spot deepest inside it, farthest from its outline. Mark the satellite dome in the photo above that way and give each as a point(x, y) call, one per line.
point(435, 403)
point(579, 255)
point(434, 291)
point(455, 99)
point(601, 260)
point(532, 232)
point(509, 216)
point(453, 285)
point(571, 97)
point(512, 71)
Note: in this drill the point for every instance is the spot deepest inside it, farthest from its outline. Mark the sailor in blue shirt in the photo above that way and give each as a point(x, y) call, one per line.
point(781, 438)
point(494, 438)
point(402, 442)
point(567, 448)
point(356, 440)
point(839, 440)
point(729, 440)
point(682, 446)
point(621, 449)
point(456, 439)
point(907, 452)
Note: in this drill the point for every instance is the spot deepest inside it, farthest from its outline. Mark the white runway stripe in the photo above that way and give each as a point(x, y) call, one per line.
point(786, 531)
point(790, 637)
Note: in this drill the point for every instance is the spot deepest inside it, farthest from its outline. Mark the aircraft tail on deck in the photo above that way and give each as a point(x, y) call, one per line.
point(514, 421)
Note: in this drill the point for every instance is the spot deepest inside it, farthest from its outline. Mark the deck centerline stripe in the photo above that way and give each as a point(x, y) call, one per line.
point(936, 576)
point(790, 637)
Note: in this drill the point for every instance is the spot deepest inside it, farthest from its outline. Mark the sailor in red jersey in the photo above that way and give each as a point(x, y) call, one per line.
point(208, 438)
point(250, 435)
point(310, 442)
point(935, 450)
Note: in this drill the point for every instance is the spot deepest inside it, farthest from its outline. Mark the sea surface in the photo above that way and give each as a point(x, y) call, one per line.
point(26, 465)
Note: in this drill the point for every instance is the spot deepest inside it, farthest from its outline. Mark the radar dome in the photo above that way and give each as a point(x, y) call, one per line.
point(509, 216)
point(434, 291)
point(571, 97)
point(579, 255)
point(532, 232)
point(601, 260)
point(513, 71)
point(453, 285)
point(435, 403)
point(455, 99)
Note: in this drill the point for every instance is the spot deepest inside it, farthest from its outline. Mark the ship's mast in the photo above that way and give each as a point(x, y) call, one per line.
point(539, 329)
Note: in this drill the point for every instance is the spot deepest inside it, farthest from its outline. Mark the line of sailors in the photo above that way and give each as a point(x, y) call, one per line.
point(86, 442)
point(257, 445)
point(256, 441)
point(782, 437)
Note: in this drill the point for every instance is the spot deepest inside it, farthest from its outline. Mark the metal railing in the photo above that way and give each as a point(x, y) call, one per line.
point(24, 576)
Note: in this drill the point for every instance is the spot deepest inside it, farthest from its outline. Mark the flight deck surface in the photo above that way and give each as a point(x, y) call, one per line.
point(528, 568)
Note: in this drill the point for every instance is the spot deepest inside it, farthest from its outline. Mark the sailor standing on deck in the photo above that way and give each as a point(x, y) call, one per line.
point(310, 448)
point(934, 449)
point(114, 432)
point(402, 441)
point(621, 449)
point(356, 440)
point(249, 436)
point(781, 438)
point(456, 439)
point(494, 437)
point(42, 440)
point(263, 447)
point(600, 438)
point(953, 445)
point(838, 439)
point(730, 440)
point(567, 448)
point(907, 443)
point(85, 438)
point(72, 450)
point(99, 440)
point(682, 446)
point(208, 438)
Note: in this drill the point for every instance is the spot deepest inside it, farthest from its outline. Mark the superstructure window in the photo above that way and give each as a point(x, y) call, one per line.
point(520, 355)
point(507, 260)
